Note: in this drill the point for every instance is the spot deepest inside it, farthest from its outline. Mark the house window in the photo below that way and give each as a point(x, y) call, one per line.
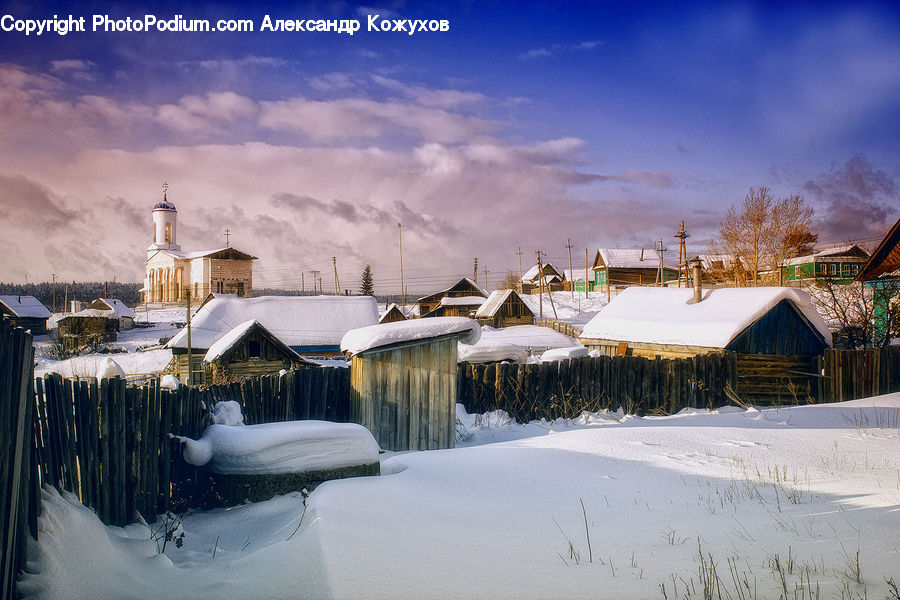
point(832, 269)
point(253, 348)
point(196, 375)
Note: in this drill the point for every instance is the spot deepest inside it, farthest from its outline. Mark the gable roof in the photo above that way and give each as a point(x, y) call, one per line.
point(627, 258)
point(392, 309)
point(885, 260)
point(115, 307)
point(236, 335)
point(497, 298)
point(463, 285)
point(226, 253)
point(668, 315)
point(25, 306)
point(833, 251)
point(295, 320)
point(549, 273)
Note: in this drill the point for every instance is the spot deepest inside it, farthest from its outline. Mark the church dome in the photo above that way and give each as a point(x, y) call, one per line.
point(164, 205)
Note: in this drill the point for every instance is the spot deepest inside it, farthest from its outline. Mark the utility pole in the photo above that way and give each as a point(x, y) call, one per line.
point(315, 275)
point(475, 270)
point(402, 289)
point(106, 289)
point(485, 278)
point(302, 283)
point(190, 370)
point(660, 280)
point(571, 272)
point(544, 286)
point(53, 293)
point(66, 300)
point(520, 268)
point(337, 284)
point(680, 235)
point(540, 287)
point(74, 296)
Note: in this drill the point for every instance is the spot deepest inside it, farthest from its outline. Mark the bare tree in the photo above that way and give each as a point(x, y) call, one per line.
point(858, 314)
point(762, 235)
point(510, 281)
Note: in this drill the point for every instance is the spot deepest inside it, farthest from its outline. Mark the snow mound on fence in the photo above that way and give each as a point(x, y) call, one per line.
point(226, 413)
point(169, 382)
point(108, 368)
point(387, 334)
point(485, 351)
point(557, 354)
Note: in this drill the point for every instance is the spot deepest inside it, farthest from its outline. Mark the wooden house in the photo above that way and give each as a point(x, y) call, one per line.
point(839, 265)
point(553, 279)
point(504, 308)
point(115, 309)
point(403, 380)
point(669, 322)
point(87, 327)
point(458, 306)
point(625, 267)
point(463, 288)
point(575, 279)
point(248, 350)
point(392, 314)
point(308, 325)
point(25, 312)
point(881, 272)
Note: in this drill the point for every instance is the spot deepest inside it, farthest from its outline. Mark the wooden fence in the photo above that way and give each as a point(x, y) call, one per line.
point(852, 374)
point(560, 326)
point(16, 484)
point(108, 443)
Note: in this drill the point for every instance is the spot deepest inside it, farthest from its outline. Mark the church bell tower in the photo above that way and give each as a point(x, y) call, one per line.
point(165, 221)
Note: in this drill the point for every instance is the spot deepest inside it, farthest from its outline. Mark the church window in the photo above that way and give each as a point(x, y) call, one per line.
point(168, 232)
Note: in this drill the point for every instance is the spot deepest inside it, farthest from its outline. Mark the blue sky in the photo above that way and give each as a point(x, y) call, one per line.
point(522, 126)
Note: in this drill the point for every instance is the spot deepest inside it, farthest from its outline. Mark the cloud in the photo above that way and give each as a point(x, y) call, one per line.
point(557, 49)
point(854, 201)
point(357, 118)
point(77, 69)
point(331, 82)
point(433, 98)
point(194, 113)
point(31, 204)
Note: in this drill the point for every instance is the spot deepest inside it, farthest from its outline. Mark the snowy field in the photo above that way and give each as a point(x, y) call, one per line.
point(800, 502)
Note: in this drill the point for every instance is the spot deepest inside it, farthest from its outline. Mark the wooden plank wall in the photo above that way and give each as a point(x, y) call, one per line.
point(407, 396)
point(852, 374)
point(18, 509)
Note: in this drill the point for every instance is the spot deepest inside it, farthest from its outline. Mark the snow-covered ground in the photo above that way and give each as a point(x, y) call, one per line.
point(795, 502)
point(571, 308)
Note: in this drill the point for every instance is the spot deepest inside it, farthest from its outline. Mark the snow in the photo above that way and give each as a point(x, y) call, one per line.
point(462, 301)
point(226, 413)
point(224, 343)
point(169, 382)
point(530, 337)
point(486, 351)
point(573, 308)
point(109, 368)
point(669, 316)
point(501, 516)
point(558, 354)
point(628, 258)
point(386, 334)
point(295, 320)
point(25, 306)
point(287, 447)
point(117, 308)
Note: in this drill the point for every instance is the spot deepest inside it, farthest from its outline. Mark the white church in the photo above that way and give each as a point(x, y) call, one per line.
point(171, 273)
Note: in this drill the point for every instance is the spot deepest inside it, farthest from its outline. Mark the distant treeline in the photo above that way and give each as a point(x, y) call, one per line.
point(85, 291)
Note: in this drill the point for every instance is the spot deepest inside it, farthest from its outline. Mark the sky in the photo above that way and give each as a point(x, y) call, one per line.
point(523, 126)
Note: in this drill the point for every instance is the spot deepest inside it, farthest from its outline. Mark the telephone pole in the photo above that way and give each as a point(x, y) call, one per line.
point(680, 235)
point(475, 270)
point(485, 278)
point(402, 289)
point(337, 284)
point(572, 273)
point(520, 268)
point(660, 279)
point(53, 293)
point(315, 275)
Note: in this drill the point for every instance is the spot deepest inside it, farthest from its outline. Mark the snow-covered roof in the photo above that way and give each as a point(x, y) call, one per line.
point(532, 274)
point(462, 301)
point(528, 336)
point(558, 354)
point(25, 306)
point(668, 315)
point(117, 308)
point(91, 312)
point(202, 253)
point(227, 341)
point(464, 282)
point(388, 334)
point(627, 258)
point(295, 320)
point(823, 253)
point(493, 303)
point(574, 274)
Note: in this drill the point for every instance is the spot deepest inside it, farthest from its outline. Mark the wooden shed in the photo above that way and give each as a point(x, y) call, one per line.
point(248, 350)
point(668, 322)
point(463, 287)
point(392, 314)
point(403, 380)
point(86, 327)
point(25, 312)
point(553, 280)
point(115, 309)
point(457, 306)
point(504, 308)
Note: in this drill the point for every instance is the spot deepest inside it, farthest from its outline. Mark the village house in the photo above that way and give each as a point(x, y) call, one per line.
point(248, 350)
point(464, 288)
point(308, 325)
point(840, 264)
point(624, 267)
point(392, 314)
point(674, 322)
point(25, 312)
point(115, 309)
point(553, 279)
point(171, 273)
point(86, 328)
point(504, 308)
